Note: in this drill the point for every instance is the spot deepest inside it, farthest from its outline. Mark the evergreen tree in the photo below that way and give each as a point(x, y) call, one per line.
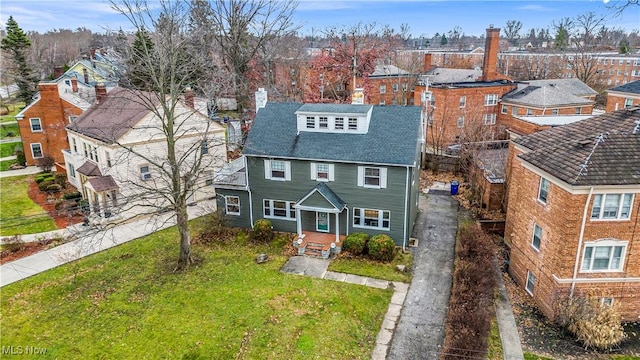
point(443, 40)
point(17, 44)
point(624, 46)
point(138, 66)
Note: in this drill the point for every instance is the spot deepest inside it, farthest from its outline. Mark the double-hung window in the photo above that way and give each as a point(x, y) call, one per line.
point(322, 172)
point(36, 125)
point(36, 150)
point(323, 122)
point(371, 218)
point(279, 209)
point(277, 170)
point(490, 99)
point(489, 119)
point(531, 282)
point(232, 205)
point(611, 206)
point(543, 190)
point(628, 102)
point(339, 123)
point(460, 121)
point(311, 122)
point(463, 101)
point(383, 89)
point(145, 173)
point(353, 124)
point(204, 147)
point(372, 177)
point(504, 109)
point(537, 237)
point(607, 255)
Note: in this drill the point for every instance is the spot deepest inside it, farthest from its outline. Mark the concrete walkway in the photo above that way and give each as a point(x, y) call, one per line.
point(511, 347)
point(314, 267)
point(90, 241)
point(29, 170)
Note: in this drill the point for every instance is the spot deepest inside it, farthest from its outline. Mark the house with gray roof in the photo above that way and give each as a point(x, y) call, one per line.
point(324, 171)
point(573, 206)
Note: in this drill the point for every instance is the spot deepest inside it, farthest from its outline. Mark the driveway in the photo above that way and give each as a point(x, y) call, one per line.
point(420, 331)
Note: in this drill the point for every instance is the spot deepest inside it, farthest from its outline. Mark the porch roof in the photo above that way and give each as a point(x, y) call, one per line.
point(326, 193)
point(89, 169)
point(103, 183)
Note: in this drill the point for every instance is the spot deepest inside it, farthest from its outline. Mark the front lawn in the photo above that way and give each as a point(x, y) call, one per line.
point(8, 149)
point(366, 267)
point(127, 303)
point(4, 165)
point(9, 130)
point(18, 213)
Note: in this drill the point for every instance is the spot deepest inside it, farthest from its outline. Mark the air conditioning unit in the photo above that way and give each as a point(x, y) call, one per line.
point(145, 176)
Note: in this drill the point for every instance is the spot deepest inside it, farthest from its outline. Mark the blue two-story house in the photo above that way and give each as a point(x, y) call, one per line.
point(324, 171)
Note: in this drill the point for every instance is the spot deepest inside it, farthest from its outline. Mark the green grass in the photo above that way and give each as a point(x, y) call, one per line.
point(494, 351)
point(374, 269)
point(9, 130)
point(126, 303)
point(18, 213)
point(8, 149)
point(13, 110)
point(4, 165)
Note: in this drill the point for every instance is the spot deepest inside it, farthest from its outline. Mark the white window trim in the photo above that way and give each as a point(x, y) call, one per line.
point(71, 170)
point(33, 155)
point(460, 122)
point(383, 177)
point(145, 175)
point(604, 243)
point(314, 172)
point(380, 219)
point(607, 301)
point(39, 123)
point(526, 285)
point(604, 196)
point(540, 191)
point(383, 89)
point(462, 102)
point(489, 119)
point(226, 205)
point(504, 109)
point(491, 100)
point(287, 170)
point(536, 248)
point(289, 205)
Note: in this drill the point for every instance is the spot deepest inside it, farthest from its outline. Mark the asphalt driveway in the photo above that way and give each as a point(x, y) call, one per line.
point(420, 330)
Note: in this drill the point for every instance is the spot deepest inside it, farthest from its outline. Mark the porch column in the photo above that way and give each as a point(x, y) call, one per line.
point(101, 204)
point(337, 227)
point(298, 222)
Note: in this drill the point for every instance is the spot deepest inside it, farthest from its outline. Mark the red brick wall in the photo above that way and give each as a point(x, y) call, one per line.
point(54, 115)
point(616, 102)
point(524, 127)
point(560, 220)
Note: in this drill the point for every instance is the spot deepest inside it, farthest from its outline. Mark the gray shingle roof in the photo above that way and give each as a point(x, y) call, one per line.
point(342, 108)
point(334, 199)
point(89, 169)
point(602, 150)
point(394, 133)
point(103, 183)
point(632, 87)
point(549, 93)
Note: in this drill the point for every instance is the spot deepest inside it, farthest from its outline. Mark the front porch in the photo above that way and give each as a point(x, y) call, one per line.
point(318, 244)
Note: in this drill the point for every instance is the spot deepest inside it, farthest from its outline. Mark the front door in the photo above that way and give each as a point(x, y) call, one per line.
point(322, 221)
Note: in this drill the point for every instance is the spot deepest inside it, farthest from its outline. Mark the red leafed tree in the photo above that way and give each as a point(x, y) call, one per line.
point(330, 77)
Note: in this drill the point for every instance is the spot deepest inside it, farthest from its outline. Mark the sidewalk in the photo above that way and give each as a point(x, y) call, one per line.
point(511, 347)
point(29, 170)
point(91, 242)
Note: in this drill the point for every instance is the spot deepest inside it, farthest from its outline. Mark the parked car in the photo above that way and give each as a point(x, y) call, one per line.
point(453, 149)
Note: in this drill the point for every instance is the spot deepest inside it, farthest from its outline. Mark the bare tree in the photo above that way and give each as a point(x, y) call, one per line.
point(168, 69)
point(512, 31)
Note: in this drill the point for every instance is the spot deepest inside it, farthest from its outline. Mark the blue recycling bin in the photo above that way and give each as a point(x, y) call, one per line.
point(454, 187)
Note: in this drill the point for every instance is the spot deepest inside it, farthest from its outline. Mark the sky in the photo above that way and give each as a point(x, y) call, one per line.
point(424, 17)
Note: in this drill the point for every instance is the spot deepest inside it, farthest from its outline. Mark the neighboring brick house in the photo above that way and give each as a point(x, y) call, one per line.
point(573, 212)
point(118, 154)
point(327, 170)
point(624, 96)
point(42, 123)
point(544, 99)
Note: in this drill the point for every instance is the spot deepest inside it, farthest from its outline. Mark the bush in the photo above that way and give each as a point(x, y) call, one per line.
point(382, 247)
point(44, 184)
point(594, 325)
point(54, 187)
point(20, 157)
point(355, 243)
point(46, 163)
point(61, 179)
point(44, 176)
point(262, 231)
point(72, 195)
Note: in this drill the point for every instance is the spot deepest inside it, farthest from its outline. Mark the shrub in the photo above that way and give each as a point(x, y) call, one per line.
point(262, 231)
point(43, 176)
point(54, 187)
point(61, 179)
point(594, 325)
point(44, 184)
point(355, 243)
point(72, 195)
point(20, 157)
point(382, 247)
point(46, 163)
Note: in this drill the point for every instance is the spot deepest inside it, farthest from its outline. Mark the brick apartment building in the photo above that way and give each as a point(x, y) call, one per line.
point(623, 96)
point(42, 123)
point(573, 212)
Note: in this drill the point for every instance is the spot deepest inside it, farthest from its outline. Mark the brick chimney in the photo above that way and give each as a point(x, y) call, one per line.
point(489, 63)
point(86, 75)
point(49, 94)
point(188, 97)
point(93, 54)
point(101, 92)
point(74, 84)
point(57, 71)
point(428, 64)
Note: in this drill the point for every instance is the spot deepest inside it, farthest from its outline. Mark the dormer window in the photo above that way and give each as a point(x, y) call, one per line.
point(353, 124)
point(323, 122)
point(339, 123)
point(311, 122)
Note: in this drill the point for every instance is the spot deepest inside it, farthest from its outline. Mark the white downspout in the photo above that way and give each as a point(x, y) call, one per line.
point(406, 202)
point(246, 182)
point(580, 239)
point(346, 226)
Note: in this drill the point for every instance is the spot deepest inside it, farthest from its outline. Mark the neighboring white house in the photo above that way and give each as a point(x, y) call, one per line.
point(118, 154)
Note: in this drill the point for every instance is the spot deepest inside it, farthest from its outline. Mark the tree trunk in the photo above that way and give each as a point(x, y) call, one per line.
point(182, 220)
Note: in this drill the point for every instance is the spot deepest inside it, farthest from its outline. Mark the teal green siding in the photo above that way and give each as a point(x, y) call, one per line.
point(317, 200)
point(392, 198)
point(243, 220)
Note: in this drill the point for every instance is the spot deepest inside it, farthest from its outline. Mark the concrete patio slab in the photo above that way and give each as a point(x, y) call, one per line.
point(307, 266)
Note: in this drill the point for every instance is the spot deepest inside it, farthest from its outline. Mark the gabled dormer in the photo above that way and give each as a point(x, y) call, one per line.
point(334, 118)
